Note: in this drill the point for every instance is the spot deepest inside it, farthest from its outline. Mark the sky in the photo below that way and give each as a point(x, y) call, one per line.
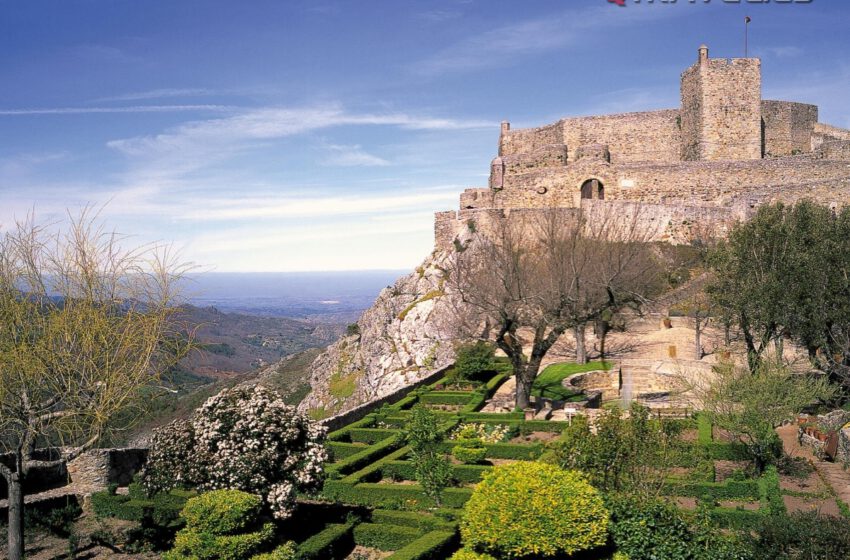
point(323, 135)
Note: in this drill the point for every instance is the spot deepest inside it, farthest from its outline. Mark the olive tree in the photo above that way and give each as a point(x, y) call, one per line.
point(85, 324)
point(556, 270)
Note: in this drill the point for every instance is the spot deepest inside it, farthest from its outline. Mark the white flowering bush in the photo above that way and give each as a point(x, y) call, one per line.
point(487, 433)
point(244, 439)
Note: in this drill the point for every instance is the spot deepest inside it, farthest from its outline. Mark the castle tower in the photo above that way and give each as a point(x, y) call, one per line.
point(721, 109)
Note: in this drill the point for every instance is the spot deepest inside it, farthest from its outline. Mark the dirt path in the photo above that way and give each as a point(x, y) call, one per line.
point(832, 474)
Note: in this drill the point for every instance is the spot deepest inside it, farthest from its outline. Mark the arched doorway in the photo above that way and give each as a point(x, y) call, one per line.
point(593, 188)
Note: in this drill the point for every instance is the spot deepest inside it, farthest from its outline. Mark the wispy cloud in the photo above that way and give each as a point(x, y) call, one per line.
point(352, 156)
point(162, 93)
point(196, 144)
point(783, 51)
point(95, 110)
point(505, 44)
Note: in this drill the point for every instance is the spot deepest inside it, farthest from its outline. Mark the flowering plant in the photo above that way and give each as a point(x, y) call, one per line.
point(245, 439)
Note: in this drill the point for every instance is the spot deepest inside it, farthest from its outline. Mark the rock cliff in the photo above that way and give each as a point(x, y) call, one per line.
point(406, 335)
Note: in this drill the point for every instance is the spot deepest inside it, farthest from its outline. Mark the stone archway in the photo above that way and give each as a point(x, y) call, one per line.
point(593, 188)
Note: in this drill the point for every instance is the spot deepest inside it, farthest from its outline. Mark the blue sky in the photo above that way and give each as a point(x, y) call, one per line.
point(322, 135)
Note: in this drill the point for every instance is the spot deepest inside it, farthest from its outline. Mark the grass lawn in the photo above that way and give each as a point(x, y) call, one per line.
point(548, 383)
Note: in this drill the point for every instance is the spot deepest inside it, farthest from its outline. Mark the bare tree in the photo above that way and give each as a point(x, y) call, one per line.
point(84, 326)
point(549, 272)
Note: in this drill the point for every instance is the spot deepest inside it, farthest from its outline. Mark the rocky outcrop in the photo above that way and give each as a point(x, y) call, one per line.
point(405, 336)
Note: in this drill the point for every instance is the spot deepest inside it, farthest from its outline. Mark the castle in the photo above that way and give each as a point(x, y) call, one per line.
point(712, 161)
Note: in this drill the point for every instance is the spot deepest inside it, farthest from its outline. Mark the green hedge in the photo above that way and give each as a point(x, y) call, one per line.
point(770, 494)
point(341, 450)
point(504, 450)
point(732, 518)
point(373, 471)
point(435, 545)
point(475, 402)
point(406, 470)
point(415, 519)
point(391, 496)
point(359, 460)
point(162, 509)
point(343, 434)
point(446, 397)
point(496, 417)
point(704, 431)
point(406, 403)
point(371, 435)
point(334, 542)
point(727, 451)
point(385, 537)
point(727, 490)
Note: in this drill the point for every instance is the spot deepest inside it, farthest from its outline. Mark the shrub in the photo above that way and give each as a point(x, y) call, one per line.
point(219, 527)
point(222, 512)
point(801, 536)
point(384, 537)
point(286, 551)
point(466, 554)
point(469, 454)
point(433, 470)
point(243, 438)
point(474, 358)
point(534, 508)
point(649, 530)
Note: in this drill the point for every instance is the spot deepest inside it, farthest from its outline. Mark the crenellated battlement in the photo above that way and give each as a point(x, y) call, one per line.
point(722, 153)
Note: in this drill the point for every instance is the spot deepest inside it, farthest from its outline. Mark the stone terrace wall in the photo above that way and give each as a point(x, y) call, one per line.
point(788, 127)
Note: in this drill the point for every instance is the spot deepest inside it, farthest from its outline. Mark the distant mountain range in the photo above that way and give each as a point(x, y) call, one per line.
point(258, 326)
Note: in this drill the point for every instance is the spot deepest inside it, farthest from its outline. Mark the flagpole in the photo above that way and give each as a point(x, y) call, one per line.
point(747, 36)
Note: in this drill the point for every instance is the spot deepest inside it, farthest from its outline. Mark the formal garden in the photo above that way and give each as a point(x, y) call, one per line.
point(431, 477)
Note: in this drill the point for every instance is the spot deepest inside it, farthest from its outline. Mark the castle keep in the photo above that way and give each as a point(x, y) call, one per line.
point(722, 153)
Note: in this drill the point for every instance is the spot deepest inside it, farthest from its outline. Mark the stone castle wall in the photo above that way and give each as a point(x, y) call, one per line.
point(721, 109)
point(788, 127)
point(694, 183)
point(713, 161)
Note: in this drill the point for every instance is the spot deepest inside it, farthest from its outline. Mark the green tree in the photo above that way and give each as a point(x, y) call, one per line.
point(85, 325)
point(786, 272)
point(433, 469)
point(474, 358)
point(624, 454)
point(751, 405)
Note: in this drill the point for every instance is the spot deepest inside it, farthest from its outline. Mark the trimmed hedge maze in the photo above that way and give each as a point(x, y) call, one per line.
point(371, 498)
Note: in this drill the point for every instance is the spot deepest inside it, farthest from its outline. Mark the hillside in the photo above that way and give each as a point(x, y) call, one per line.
point(235, 348)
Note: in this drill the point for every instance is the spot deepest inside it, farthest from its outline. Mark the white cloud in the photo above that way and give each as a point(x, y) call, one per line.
point(352, 156)
point(505, 44)
point(160, 93)
point(96, 110)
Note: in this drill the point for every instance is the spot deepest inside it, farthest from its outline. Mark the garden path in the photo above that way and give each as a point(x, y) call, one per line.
point(832, 473)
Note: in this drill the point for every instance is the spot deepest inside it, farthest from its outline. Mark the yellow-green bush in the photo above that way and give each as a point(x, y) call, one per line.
point(466, 554)
point(222, 525)
point(525, 509)
point(222, 512)
point(286, 551)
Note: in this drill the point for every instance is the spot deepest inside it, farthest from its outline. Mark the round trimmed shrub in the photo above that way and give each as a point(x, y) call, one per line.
point(469, 455)
point(536, 509)
point(466, 554)
point(222, 512)
point(221, 525)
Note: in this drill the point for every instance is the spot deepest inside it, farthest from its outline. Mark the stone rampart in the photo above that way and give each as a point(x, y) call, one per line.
point(788, 127)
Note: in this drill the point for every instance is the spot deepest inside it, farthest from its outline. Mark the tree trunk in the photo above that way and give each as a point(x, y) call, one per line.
point(16, 516)
point(581, 350)
point(523, 389)
point(698, 337)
